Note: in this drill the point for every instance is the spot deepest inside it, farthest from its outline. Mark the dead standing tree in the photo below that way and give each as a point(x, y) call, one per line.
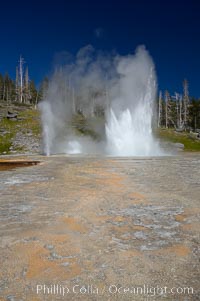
point(22, 86)
point(166, 109)
point(27, 94)
point(179, 111)
point(21, 82)
point(159, 109)
point(186, 101)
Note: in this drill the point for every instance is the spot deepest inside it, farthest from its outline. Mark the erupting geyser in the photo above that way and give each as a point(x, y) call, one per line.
point(123, 88)
point(129, 122)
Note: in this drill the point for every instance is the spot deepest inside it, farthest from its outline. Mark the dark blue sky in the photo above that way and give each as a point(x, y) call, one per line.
point(169, 29)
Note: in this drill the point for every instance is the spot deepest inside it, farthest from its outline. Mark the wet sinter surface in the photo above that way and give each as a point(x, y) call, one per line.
point(101, 229)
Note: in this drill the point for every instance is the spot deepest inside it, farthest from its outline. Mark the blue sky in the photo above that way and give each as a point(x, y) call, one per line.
point(39, 30)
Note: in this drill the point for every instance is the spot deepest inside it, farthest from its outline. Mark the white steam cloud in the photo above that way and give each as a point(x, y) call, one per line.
point(100, 103)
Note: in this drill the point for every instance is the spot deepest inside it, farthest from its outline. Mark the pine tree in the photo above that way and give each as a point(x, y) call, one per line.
point(33, 93)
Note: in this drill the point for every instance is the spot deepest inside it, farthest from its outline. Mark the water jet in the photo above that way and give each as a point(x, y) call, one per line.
point(124, 87)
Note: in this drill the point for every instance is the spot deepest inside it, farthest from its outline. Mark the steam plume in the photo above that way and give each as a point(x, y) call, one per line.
point(101, 103)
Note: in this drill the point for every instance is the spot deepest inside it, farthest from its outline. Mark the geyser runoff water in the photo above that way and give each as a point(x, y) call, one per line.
point(101, 104)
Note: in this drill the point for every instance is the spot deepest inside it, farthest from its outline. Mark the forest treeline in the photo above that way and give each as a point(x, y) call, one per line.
point(180, 111)
point(23, 89)
point(27, 93)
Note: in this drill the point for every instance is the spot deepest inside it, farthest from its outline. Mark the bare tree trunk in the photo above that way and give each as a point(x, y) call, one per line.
point(26, 87)
point(21, 63)
point(159, 109)
point(185, 102)
point(166, 108)
point(180, 112)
